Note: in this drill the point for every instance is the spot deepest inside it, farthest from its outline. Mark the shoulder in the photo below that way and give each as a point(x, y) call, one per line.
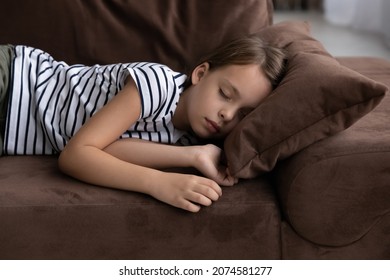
point(156, 70)
point(29, 52)
point(154, 76)
point(157, 85)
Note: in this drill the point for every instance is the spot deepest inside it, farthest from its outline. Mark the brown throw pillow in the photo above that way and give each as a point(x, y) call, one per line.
point(316, 98)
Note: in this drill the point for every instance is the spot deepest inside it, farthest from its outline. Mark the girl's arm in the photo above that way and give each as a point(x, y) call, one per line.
point(85, 159)
point(205, 158)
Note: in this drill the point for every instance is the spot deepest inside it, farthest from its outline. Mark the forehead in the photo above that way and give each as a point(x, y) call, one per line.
point(248, 82)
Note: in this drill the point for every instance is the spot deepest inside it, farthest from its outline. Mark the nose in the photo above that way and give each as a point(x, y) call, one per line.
point(227, 114)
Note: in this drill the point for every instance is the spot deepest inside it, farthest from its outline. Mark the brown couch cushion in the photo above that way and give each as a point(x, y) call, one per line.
point(46, 215)
point(317, 98)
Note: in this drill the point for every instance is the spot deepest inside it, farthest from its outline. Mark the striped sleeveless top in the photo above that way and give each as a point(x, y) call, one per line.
point(50, 100)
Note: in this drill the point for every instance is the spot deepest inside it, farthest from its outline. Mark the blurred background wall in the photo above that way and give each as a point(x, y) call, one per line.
point(372, 15)
point(347, 27)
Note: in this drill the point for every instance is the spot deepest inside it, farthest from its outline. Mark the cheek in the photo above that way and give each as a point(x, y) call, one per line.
point(207, 103)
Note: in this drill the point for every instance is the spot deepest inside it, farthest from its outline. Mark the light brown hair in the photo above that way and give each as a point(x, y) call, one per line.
point(249, 50)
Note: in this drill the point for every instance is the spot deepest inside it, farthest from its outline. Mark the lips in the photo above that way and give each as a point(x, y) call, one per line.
point(212, 126)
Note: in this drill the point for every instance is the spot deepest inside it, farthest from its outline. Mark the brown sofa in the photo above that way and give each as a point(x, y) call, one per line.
point(331, 200)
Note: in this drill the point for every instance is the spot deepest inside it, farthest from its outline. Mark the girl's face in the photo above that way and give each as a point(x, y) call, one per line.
point(219, 99)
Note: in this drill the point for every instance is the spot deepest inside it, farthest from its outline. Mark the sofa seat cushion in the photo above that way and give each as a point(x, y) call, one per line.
point(45, 214)
point(336, 190)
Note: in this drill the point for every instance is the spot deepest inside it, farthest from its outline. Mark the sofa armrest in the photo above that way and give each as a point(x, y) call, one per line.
point(334, 198)
point(335, 190)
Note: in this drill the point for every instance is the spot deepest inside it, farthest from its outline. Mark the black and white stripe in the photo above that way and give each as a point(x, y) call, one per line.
point(51, 100)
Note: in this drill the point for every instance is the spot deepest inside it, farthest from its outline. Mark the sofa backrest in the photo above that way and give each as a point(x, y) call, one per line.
point(173, 32)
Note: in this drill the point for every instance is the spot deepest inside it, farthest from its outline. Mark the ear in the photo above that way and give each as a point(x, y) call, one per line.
point(199, 72)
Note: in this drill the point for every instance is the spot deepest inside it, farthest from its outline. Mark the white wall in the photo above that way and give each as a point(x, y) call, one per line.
point(370, 15)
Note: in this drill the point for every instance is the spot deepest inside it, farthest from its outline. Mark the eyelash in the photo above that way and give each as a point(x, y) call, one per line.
point(241, 113)
point(223, 94)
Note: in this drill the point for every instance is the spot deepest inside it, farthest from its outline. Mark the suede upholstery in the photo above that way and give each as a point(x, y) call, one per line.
point(45, 214)
point(172, 32)
point(336, 191)
point(331, 200)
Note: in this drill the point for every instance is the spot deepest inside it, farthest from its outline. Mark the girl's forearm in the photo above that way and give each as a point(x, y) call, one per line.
point(153, 155)
point(97, 167)
point(205, 159)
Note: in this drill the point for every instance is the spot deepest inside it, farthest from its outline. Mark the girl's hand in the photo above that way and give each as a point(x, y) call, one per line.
point(208, 161)
point(188, 192)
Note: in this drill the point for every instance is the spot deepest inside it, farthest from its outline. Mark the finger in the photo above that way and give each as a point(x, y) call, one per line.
point(213, 185)
point(203, 194)
point(198, 181)
point(189, 206)
point(224, 179)
point(199, 199)
point(228, 171)
point(227, 181)
point(209, 192)
point(231, 179)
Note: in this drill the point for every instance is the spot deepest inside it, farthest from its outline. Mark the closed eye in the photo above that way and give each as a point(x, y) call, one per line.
point(224, 95)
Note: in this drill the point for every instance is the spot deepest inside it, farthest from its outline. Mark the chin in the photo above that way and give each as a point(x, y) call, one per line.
point(203, 133)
